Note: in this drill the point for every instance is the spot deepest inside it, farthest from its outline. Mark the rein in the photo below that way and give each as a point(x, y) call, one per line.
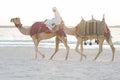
point(18, 25)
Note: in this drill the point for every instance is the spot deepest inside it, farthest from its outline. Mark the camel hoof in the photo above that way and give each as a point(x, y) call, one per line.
point(81, 59)
point(85, 56)
point(50, 58)
point(112, 60)
point(43, 56)
point(94, 59)
point(66, 59)
point(34, 58)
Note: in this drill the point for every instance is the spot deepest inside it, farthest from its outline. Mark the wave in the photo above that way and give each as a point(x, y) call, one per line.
point(47, 43)
point(12, 37)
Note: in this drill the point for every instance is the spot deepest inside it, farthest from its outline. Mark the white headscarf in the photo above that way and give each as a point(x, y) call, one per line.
point(57, 16)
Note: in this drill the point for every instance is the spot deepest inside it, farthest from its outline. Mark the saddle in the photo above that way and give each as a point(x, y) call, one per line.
point(91, 28)
point(39, 27)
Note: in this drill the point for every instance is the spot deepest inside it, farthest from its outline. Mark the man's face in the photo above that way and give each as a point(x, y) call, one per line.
point(54, 10)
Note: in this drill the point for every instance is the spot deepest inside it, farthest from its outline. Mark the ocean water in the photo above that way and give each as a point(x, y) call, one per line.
point(12, 37)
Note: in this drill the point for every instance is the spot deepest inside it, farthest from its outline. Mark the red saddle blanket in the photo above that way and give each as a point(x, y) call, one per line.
point(39, 27)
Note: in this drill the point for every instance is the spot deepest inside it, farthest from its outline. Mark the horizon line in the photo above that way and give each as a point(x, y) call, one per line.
point(11, 26)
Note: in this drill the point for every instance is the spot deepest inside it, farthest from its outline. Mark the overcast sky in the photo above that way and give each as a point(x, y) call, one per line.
point(71, 10)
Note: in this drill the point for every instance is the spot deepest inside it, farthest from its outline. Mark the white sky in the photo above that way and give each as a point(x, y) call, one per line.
point(71, 10)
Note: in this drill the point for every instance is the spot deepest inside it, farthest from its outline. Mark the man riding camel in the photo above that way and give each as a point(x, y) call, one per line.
point(56, 21)
point(50, 23)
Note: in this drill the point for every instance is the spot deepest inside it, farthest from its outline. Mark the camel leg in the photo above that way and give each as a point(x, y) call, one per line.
point(100, 48)
point(76, 49)
point(36, 42)
point(77, 46)
point(56, 48)
point(67, 47)
point(109, 41)
point(81, 46)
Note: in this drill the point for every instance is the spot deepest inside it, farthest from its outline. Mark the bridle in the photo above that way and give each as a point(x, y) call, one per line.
point(18, 25)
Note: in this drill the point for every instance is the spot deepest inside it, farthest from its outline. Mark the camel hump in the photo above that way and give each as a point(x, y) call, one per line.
point(38, 27)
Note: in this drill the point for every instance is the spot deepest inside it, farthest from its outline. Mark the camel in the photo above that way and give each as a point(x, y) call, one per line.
point(40, 34)
point(81, 35)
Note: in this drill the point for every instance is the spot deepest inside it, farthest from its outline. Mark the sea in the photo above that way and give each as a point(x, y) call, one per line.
point(10, 36)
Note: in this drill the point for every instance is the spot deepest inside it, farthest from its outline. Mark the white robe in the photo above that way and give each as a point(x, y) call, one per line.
point(56, 20)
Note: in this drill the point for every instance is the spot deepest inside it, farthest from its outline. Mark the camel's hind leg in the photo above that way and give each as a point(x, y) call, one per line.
point(100, 47)
point(112, 47)
point(80, 42)
point(57, 46)
point(36, 43)
point(66, 45)
point(57, 41)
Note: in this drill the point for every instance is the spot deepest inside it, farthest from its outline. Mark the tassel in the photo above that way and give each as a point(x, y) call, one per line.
point(96, 41)
point(85, 43)
point(90, 43)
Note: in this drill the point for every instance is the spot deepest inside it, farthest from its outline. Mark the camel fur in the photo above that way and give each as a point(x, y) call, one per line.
point(38, 36)
point(89, 30)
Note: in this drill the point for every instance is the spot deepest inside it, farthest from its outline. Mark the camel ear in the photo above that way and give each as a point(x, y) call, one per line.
point(103, 18)
point(82, 18)
point(92, 17)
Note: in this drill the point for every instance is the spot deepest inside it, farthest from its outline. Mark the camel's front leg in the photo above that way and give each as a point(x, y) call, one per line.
point(81, 46)
point(109, 41)
point(76, 49)
point(100, 48)
point(36, 42)
point(56, 48)
point(77, 46)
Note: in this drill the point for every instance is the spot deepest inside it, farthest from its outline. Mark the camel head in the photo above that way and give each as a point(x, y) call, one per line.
point(17, 22)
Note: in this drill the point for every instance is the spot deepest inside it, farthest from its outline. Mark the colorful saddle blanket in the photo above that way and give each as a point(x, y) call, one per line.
point(91, 27)
point(39, 27)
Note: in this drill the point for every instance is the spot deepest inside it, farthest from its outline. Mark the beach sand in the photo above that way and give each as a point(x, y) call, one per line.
point(17, 63)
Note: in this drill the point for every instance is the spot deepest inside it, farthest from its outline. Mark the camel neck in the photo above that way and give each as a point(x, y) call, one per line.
point(18, 25)
point(69, 30)
point(24, 30)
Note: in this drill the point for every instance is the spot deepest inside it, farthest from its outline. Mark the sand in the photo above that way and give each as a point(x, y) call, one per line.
point(17, 63)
